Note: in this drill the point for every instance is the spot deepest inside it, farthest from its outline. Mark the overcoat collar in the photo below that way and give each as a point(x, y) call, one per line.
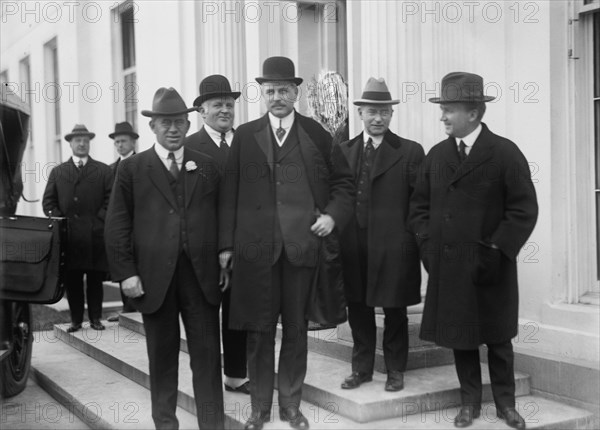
point(482, 151)
point(388, 153)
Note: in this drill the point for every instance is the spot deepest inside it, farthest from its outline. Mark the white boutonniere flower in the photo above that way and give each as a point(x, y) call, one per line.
point(190, 166)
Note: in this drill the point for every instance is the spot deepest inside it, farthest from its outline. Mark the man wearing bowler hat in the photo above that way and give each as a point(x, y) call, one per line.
point(285, 186)
point(124, 140)
point(161, 235)
point(79, 189)
point(216, 104)
point(473, 209)
point(381, 259)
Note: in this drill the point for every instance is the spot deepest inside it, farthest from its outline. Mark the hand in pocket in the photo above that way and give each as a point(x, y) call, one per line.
point(487, 265)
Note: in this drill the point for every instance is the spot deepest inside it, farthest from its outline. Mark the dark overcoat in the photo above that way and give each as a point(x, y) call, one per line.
point(143, 225)
point(394, 268)
point(202, 142)
point(248, 210)
point(488, 198)
point(81, 196)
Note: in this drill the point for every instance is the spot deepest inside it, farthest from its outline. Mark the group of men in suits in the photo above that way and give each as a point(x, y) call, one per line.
point(236, 217)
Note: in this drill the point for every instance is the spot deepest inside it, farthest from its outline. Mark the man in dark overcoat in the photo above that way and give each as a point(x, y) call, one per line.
point(216, 104)
point(380, 256)
point(285, 186)
point(124, 138)
point(161, 236)
point(79, 189)
point(473, 209)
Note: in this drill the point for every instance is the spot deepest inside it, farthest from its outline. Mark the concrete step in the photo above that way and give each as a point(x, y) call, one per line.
point(93, 392)
point(326, 342)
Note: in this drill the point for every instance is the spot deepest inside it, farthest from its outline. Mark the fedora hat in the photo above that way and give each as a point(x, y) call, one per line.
point(79, 130)
point(278, 69)
point(376, 93)
point(123, 128)
point(462, 87)
point(215, 86)
point(167, 102)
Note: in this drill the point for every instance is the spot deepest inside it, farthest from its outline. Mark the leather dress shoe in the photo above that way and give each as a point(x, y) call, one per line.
point(512, 418)
point(466, 415)
point(257, 420)
point(96, 325)
point(113, 318)
point(244, 388)
point(74, 327)
point(395, 381)
point(355, 380)
point(294, 416)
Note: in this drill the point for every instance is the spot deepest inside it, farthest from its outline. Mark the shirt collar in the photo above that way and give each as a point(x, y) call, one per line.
point(129, 154)
point(470, 138)
point(286, 121)
point(216, 135)
point(376, 139)
point(164, 153)
point(76, 160)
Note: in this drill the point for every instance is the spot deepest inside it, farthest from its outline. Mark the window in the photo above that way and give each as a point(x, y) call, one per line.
point(52, 96)
point(127, 21)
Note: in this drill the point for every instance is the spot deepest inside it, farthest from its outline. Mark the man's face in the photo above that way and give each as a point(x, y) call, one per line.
point(279, 97)
point(170, 130)
point(458, 120)
point(218, 113)
point(376, 118)
point(80, 145)
point(124, 144)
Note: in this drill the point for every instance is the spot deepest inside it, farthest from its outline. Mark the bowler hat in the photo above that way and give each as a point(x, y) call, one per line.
point(79, 130)
point(376, 93)
point(215, 86)
point(123, 128)
point(462, 87)
point(167, 102)
point(278, 69)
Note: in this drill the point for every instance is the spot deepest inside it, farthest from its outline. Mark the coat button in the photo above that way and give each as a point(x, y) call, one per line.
point(171, 211)
point(451, 187)
point(75, 199)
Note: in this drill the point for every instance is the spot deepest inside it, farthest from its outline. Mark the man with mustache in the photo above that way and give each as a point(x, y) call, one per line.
point(216, 104)
point(285, 186)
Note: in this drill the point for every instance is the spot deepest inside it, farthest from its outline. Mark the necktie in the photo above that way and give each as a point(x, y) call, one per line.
point(173, 167)
point(280, 132)
point(462, 153)
point(223, 145)
point(79, 164)
point(369, 152)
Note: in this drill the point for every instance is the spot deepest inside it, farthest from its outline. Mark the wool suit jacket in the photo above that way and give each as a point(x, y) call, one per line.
point(487, 198)
point(248, 208)
point(143, 225)
point(202, 142)
point(82, 197)
point(394, 268)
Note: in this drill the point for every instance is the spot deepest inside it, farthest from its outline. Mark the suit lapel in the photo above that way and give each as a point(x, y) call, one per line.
point(156, 173)
point(190, 178)
point(481, 152)
point(352, 153)
point(388, 154)
point(264, 140)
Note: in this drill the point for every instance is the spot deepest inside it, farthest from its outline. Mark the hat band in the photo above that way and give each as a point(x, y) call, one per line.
point(376, 95)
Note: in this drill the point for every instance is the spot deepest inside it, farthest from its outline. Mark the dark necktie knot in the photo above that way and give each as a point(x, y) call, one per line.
point(280, 132)
point(223, 144)
point(80, 164)
point(369, 151)
point(173, 168)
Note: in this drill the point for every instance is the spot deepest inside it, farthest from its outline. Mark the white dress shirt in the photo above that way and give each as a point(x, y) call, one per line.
point(285, 123)
point(469, 139)
point(216, 135)
point(76, 160)
point(129, 154)
point(163, 154)
point(375, 139)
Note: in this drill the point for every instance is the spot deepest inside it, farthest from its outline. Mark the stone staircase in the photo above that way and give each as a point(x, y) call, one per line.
point(103, 378)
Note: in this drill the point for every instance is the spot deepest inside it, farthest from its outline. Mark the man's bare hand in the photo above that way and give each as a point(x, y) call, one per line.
point(225, 260)
point(132, 287)
point(323, 226)
point(224, 280)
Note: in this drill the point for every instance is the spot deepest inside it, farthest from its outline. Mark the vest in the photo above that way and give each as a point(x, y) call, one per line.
point(177, 186)
point(363, 187)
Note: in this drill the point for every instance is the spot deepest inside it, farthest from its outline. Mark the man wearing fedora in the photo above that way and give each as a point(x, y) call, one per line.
point(216, 104)
point(161, 232)
point(473, 209)
point(285, 186)
point(79, 189)
point(124, 140)
point(380, 257)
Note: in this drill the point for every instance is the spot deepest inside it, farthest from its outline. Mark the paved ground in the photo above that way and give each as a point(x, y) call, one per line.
point(35, 409)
